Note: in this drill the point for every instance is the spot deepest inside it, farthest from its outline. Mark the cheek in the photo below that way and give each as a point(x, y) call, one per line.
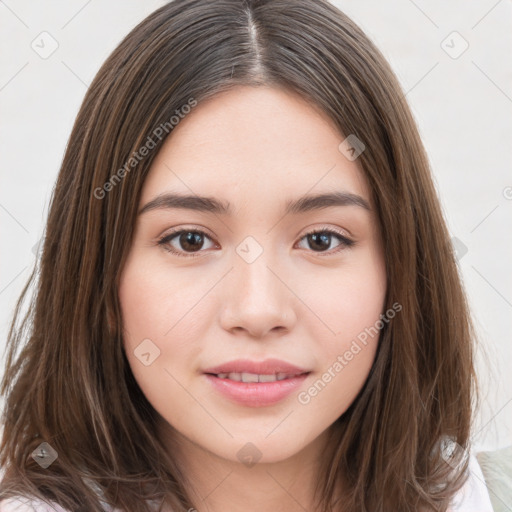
point(155, 302)
point(348, 305)
point(346, 300)
point(162, 312)
point(145, 305)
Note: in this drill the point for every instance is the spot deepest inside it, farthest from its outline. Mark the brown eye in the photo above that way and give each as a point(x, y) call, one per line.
point(188, 241)
point(191, 241)
point(320, 241)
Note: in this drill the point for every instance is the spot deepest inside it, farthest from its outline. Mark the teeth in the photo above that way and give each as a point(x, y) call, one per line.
point(249, 377)
point(266, 378)
point(253, 377)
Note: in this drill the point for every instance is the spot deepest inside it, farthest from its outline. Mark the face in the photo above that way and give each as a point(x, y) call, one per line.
point(242, 279)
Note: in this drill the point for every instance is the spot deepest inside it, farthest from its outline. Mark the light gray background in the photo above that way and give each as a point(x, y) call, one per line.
point(462, 106)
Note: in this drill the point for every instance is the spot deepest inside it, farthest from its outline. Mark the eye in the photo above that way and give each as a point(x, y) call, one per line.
point(189, 239)
point(193, 240)
point(322, 239)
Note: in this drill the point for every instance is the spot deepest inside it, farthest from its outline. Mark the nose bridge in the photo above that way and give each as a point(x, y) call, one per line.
point(252, 271)
point(257, 298)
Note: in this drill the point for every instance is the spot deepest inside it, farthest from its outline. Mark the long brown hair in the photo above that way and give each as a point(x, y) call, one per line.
point(67, 380)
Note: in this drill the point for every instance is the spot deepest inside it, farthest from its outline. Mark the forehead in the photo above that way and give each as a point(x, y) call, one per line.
point(264, 143)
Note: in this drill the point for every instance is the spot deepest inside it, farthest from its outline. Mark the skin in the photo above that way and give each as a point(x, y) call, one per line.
point(256, 148)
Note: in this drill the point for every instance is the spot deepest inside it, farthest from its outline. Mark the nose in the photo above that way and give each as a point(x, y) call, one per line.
point(257, 299)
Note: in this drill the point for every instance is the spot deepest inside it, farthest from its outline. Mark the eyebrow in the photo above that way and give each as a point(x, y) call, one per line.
point(213, 205)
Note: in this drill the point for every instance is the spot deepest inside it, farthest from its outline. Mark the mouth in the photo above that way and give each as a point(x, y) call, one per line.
point(257, 378)
point(248, 370)
point(256, 383)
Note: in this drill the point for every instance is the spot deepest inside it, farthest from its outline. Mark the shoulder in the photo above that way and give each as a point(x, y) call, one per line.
point(496, 466)
point(473, 496)
point(23, 504)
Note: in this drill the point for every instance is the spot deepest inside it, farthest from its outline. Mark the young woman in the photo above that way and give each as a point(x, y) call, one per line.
point(247, 297)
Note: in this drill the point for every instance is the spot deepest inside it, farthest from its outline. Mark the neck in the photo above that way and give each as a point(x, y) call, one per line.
point(220, 484)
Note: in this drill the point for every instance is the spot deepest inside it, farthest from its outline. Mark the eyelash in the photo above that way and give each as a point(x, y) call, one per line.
point(345, 243)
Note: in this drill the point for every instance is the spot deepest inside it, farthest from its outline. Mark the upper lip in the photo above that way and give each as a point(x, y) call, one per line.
point(266, 367)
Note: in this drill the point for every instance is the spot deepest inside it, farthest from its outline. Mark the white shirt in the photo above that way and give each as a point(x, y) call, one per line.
point(472, 497)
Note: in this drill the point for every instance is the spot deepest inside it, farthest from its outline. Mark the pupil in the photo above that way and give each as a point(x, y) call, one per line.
point(323, 240)
point(188, 240)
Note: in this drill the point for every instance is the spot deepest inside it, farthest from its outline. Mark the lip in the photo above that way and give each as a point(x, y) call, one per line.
point(268, 366)
point(256, 394)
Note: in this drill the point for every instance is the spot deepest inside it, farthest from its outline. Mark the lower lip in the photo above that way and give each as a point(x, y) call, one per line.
point(257, 394)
